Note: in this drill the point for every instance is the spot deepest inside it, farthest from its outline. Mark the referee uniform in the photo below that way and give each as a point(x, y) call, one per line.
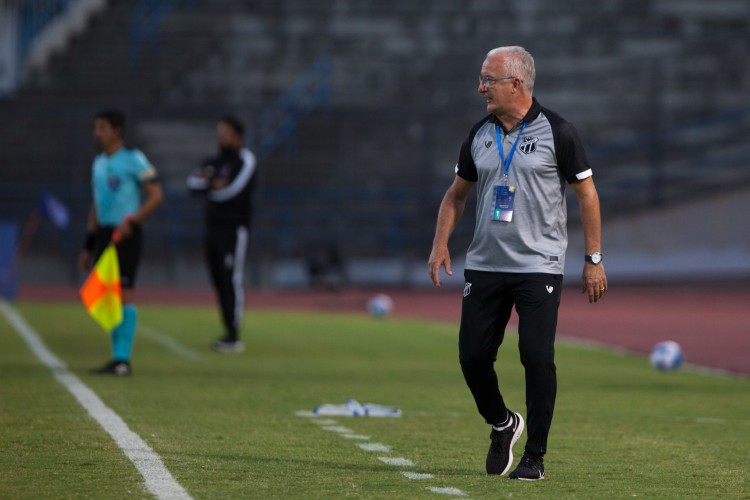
point(228, 213)
point(117, 181)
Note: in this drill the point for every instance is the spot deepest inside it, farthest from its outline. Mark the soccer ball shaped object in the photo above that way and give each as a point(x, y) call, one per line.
point(666, 356)
point(380, 305)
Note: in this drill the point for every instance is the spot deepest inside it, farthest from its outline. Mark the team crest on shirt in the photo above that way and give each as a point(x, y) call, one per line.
point(114, 182)
point(487, 144)
point(528, 144)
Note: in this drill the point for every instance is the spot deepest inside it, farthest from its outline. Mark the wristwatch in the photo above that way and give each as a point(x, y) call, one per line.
point(594, 258)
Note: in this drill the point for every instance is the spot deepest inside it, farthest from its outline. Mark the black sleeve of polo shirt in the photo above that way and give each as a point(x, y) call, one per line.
point(571, 156)
point(466, 168)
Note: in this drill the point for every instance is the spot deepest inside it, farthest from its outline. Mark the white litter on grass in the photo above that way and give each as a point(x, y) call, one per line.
point(398, 461)
point(417, 475)
point(375, 447)
point(159, 481)
point(446, 491)
point(353, 408)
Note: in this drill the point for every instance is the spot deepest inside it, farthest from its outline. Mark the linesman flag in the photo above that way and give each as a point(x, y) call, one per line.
point(101, 293)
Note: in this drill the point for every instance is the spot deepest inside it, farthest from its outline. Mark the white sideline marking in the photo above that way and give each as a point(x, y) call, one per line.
point(706, 420)
point(417, 475)
point(383, 448)
point(375, 447)
point(325, 421)
point(437, 414)
point(398, 461)
point(305, 414)
point(447, 491)
point(170, 343)
point(159, 480)
point(339, 429)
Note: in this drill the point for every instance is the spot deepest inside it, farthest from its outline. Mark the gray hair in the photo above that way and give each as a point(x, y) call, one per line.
point(518, 62)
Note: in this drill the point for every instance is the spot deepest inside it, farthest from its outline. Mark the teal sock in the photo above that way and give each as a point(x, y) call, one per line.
point(124, 334)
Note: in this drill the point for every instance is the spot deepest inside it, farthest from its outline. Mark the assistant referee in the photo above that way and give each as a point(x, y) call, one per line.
point(126, 191)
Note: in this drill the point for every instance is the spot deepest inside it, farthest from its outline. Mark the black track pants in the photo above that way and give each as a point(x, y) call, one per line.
point(488, 300)
point(226, 248)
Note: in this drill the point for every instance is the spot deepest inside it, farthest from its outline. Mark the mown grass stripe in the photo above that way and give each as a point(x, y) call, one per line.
point(171, 344)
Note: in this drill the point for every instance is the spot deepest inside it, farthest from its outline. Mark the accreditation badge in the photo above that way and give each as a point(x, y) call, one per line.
point(502, 209)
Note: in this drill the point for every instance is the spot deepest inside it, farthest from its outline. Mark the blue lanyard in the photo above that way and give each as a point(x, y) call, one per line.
point(503, 161)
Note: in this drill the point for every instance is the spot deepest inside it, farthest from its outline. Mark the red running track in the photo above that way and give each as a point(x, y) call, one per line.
point(711, 322)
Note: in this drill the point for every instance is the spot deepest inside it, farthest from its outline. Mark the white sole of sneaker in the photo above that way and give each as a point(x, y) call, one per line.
point(222, 348)
point(516, 436)
point(228, 351)
point(527, 479)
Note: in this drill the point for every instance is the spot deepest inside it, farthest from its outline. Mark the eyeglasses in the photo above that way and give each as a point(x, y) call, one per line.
point(488, 81)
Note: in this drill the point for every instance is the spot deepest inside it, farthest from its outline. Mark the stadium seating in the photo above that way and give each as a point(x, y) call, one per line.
point(655, 89)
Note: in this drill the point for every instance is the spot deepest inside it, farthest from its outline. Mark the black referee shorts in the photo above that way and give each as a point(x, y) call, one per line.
point(128, 252)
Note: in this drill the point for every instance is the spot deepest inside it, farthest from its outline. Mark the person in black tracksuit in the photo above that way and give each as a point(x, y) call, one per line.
point(227, 183)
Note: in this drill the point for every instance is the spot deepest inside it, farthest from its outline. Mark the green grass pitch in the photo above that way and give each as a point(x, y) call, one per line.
point(225, 425)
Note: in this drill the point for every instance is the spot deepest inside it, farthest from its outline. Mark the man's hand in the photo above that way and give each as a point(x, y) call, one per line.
point(439, 257)
point(450, 211)
point(123, 231)
point(594, 281)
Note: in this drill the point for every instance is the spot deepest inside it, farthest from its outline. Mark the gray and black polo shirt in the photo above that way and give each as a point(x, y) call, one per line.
point(549, 155)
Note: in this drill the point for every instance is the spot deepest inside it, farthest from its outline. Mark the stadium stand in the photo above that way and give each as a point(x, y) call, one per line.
point(358, 110)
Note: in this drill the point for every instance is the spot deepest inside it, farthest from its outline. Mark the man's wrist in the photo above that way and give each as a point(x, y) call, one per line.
point(131, 220)
point(594, 258)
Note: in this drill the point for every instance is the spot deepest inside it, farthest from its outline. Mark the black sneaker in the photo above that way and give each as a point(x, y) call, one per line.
point(114, 367)
point(530, 468)
point(227, 345)
point(500, 456)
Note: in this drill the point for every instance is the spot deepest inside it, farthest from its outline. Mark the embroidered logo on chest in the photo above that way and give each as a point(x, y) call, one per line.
point(527, 144)
point(114, 182)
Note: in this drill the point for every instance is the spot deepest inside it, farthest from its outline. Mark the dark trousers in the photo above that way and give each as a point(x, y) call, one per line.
point(128, 252)
point(226, 248)
point(488, 300)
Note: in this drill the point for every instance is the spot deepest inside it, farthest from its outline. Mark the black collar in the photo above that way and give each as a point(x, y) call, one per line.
point(531, 115)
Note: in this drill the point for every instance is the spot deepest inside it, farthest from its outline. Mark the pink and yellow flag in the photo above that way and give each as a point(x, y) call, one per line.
point(101, 293)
